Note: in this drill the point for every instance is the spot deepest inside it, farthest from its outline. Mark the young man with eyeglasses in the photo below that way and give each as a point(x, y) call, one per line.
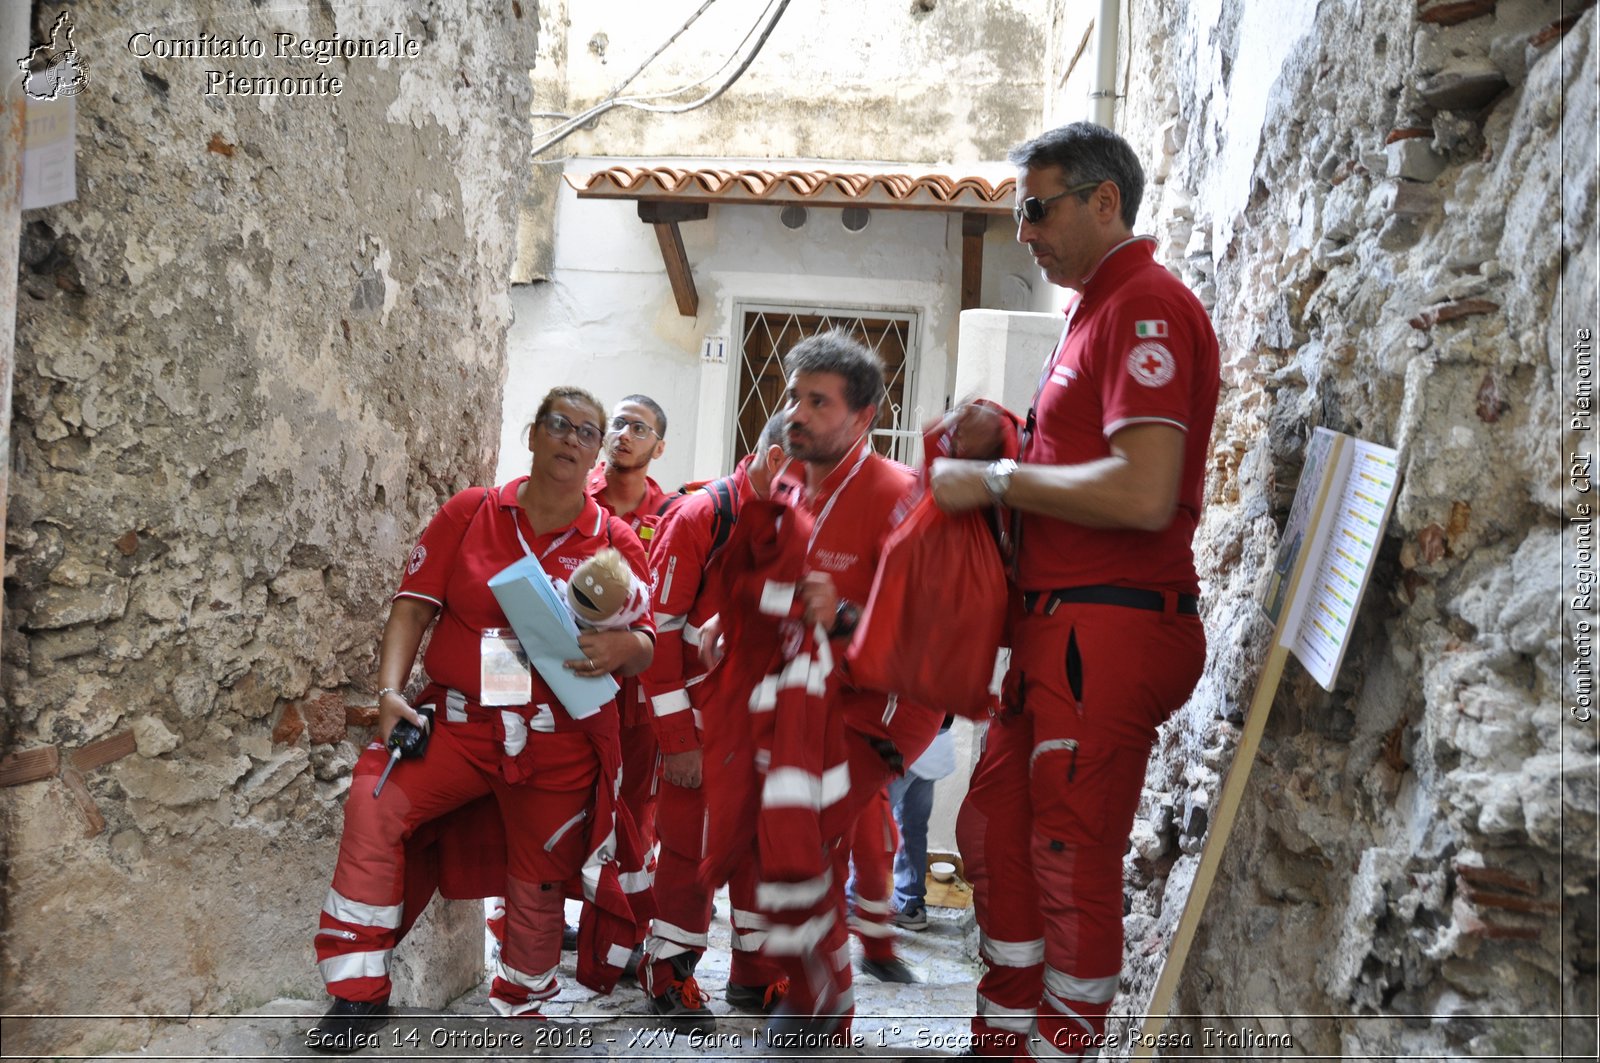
point(1105, 499)
point(636, 435)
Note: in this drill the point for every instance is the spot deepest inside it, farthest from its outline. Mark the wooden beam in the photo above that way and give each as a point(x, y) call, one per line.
point(973, 226)
point(677, 260)
point(664, 218)
point(659, 212)
point(1220, 826)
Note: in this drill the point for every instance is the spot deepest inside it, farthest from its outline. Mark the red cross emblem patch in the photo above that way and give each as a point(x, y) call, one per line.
point(418, 556)
point(1151, 364)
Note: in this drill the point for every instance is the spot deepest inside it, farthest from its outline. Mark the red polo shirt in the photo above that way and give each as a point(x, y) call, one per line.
point(649, 507)
point(1139, 349)
point(472, 538)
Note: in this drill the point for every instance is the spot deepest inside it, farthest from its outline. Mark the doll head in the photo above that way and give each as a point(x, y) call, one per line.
point(599, 587)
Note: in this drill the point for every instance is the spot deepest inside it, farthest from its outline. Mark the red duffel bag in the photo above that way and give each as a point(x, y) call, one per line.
point(936, 615)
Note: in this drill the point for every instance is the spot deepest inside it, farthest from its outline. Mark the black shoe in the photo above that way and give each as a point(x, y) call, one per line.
point(684, 1005)
point(569, 939)
point(893, 969)
point(349, 1026)
point(756, 999)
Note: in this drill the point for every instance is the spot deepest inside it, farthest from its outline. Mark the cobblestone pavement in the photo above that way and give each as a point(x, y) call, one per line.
point(891, 1020)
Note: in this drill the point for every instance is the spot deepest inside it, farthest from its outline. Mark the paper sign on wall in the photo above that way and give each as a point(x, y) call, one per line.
point(49, 152)
point(1335, 526)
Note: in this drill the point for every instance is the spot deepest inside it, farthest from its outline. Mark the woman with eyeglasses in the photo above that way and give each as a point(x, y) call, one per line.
point(499, 740)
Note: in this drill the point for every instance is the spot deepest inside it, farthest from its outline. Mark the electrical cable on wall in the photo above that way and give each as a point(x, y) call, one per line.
point(616, 89)
point(560, 132)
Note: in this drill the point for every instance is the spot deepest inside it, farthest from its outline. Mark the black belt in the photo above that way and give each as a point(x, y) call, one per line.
point(1105, 594)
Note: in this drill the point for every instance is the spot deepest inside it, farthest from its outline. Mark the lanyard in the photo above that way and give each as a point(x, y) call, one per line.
point(552, 548)
point(822, 517)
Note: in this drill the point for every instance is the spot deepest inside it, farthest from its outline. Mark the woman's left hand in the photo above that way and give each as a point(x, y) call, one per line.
point(606, 652)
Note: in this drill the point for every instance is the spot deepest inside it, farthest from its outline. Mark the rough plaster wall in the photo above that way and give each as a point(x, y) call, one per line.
point(838, 79)
point(1399, 847)
point(253, 356)
point(535, 220)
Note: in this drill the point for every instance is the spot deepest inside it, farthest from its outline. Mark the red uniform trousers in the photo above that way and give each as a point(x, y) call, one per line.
point(872, 849)
point(1047, 819)
point(683, 899)
point(362, 917)
point(641, 761)
point(824, 975)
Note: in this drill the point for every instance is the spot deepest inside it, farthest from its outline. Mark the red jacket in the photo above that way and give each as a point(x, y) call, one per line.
point(683, 603)
point(776, 766)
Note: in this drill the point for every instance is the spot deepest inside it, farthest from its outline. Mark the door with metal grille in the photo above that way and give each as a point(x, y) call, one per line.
point(767, 334)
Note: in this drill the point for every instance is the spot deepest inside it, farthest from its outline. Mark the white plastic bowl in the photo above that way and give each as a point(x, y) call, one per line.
point(942, 870)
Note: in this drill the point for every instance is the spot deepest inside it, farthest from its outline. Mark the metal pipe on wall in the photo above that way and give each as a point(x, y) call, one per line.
point(14, 42)
point(1103, 98)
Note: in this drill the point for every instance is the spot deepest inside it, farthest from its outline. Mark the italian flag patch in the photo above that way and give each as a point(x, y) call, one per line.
point(1147, 329)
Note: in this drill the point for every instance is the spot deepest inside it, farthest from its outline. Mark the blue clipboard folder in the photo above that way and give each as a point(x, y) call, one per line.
point(549, 636)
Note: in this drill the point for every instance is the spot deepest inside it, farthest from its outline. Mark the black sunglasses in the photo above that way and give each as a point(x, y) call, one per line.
point(1033, 209)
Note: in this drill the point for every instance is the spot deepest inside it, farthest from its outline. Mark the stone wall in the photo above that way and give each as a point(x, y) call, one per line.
point(257, 351)
point(1385, 205)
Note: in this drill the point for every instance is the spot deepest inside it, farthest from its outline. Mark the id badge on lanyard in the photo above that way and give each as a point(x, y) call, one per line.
point(504, 677)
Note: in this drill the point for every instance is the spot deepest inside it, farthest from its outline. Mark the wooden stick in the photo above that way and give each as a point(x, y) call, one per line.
point(99, 754)
point(1244, 758)
point(94, 822)
point(30, 765)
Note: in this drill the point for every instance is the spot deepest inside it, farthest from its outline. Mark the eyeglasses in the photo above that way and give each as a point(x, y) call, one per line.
point(561, 427)
point(637, 429)
point(1033, 209)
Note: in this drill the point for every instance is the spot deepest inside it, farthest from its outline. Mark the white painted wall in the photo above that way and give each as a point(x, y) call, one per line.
point(607, 320)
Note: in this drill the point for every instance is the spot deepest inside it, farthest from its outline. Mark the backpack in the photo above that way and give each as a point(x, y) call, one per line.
point(724, 508)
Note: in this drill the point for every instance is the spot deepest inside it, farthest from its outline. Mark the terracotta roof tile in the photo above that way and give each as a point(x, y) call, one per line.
point(891, 191)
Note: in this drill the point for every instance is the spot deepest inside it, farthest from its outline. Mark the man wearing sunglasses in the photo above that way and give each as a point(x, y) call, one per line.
point(1104, 503)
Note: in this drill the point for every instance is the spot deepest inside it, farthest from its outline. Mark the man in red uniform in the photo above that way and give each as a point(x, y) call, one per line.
point(1107, 496)
point(635, 436)
point(852, 498)
point(685, 543)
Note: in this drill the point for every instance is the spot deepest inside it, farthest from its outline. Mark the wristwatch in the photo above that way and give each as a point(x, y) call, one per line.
point(997, 478)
